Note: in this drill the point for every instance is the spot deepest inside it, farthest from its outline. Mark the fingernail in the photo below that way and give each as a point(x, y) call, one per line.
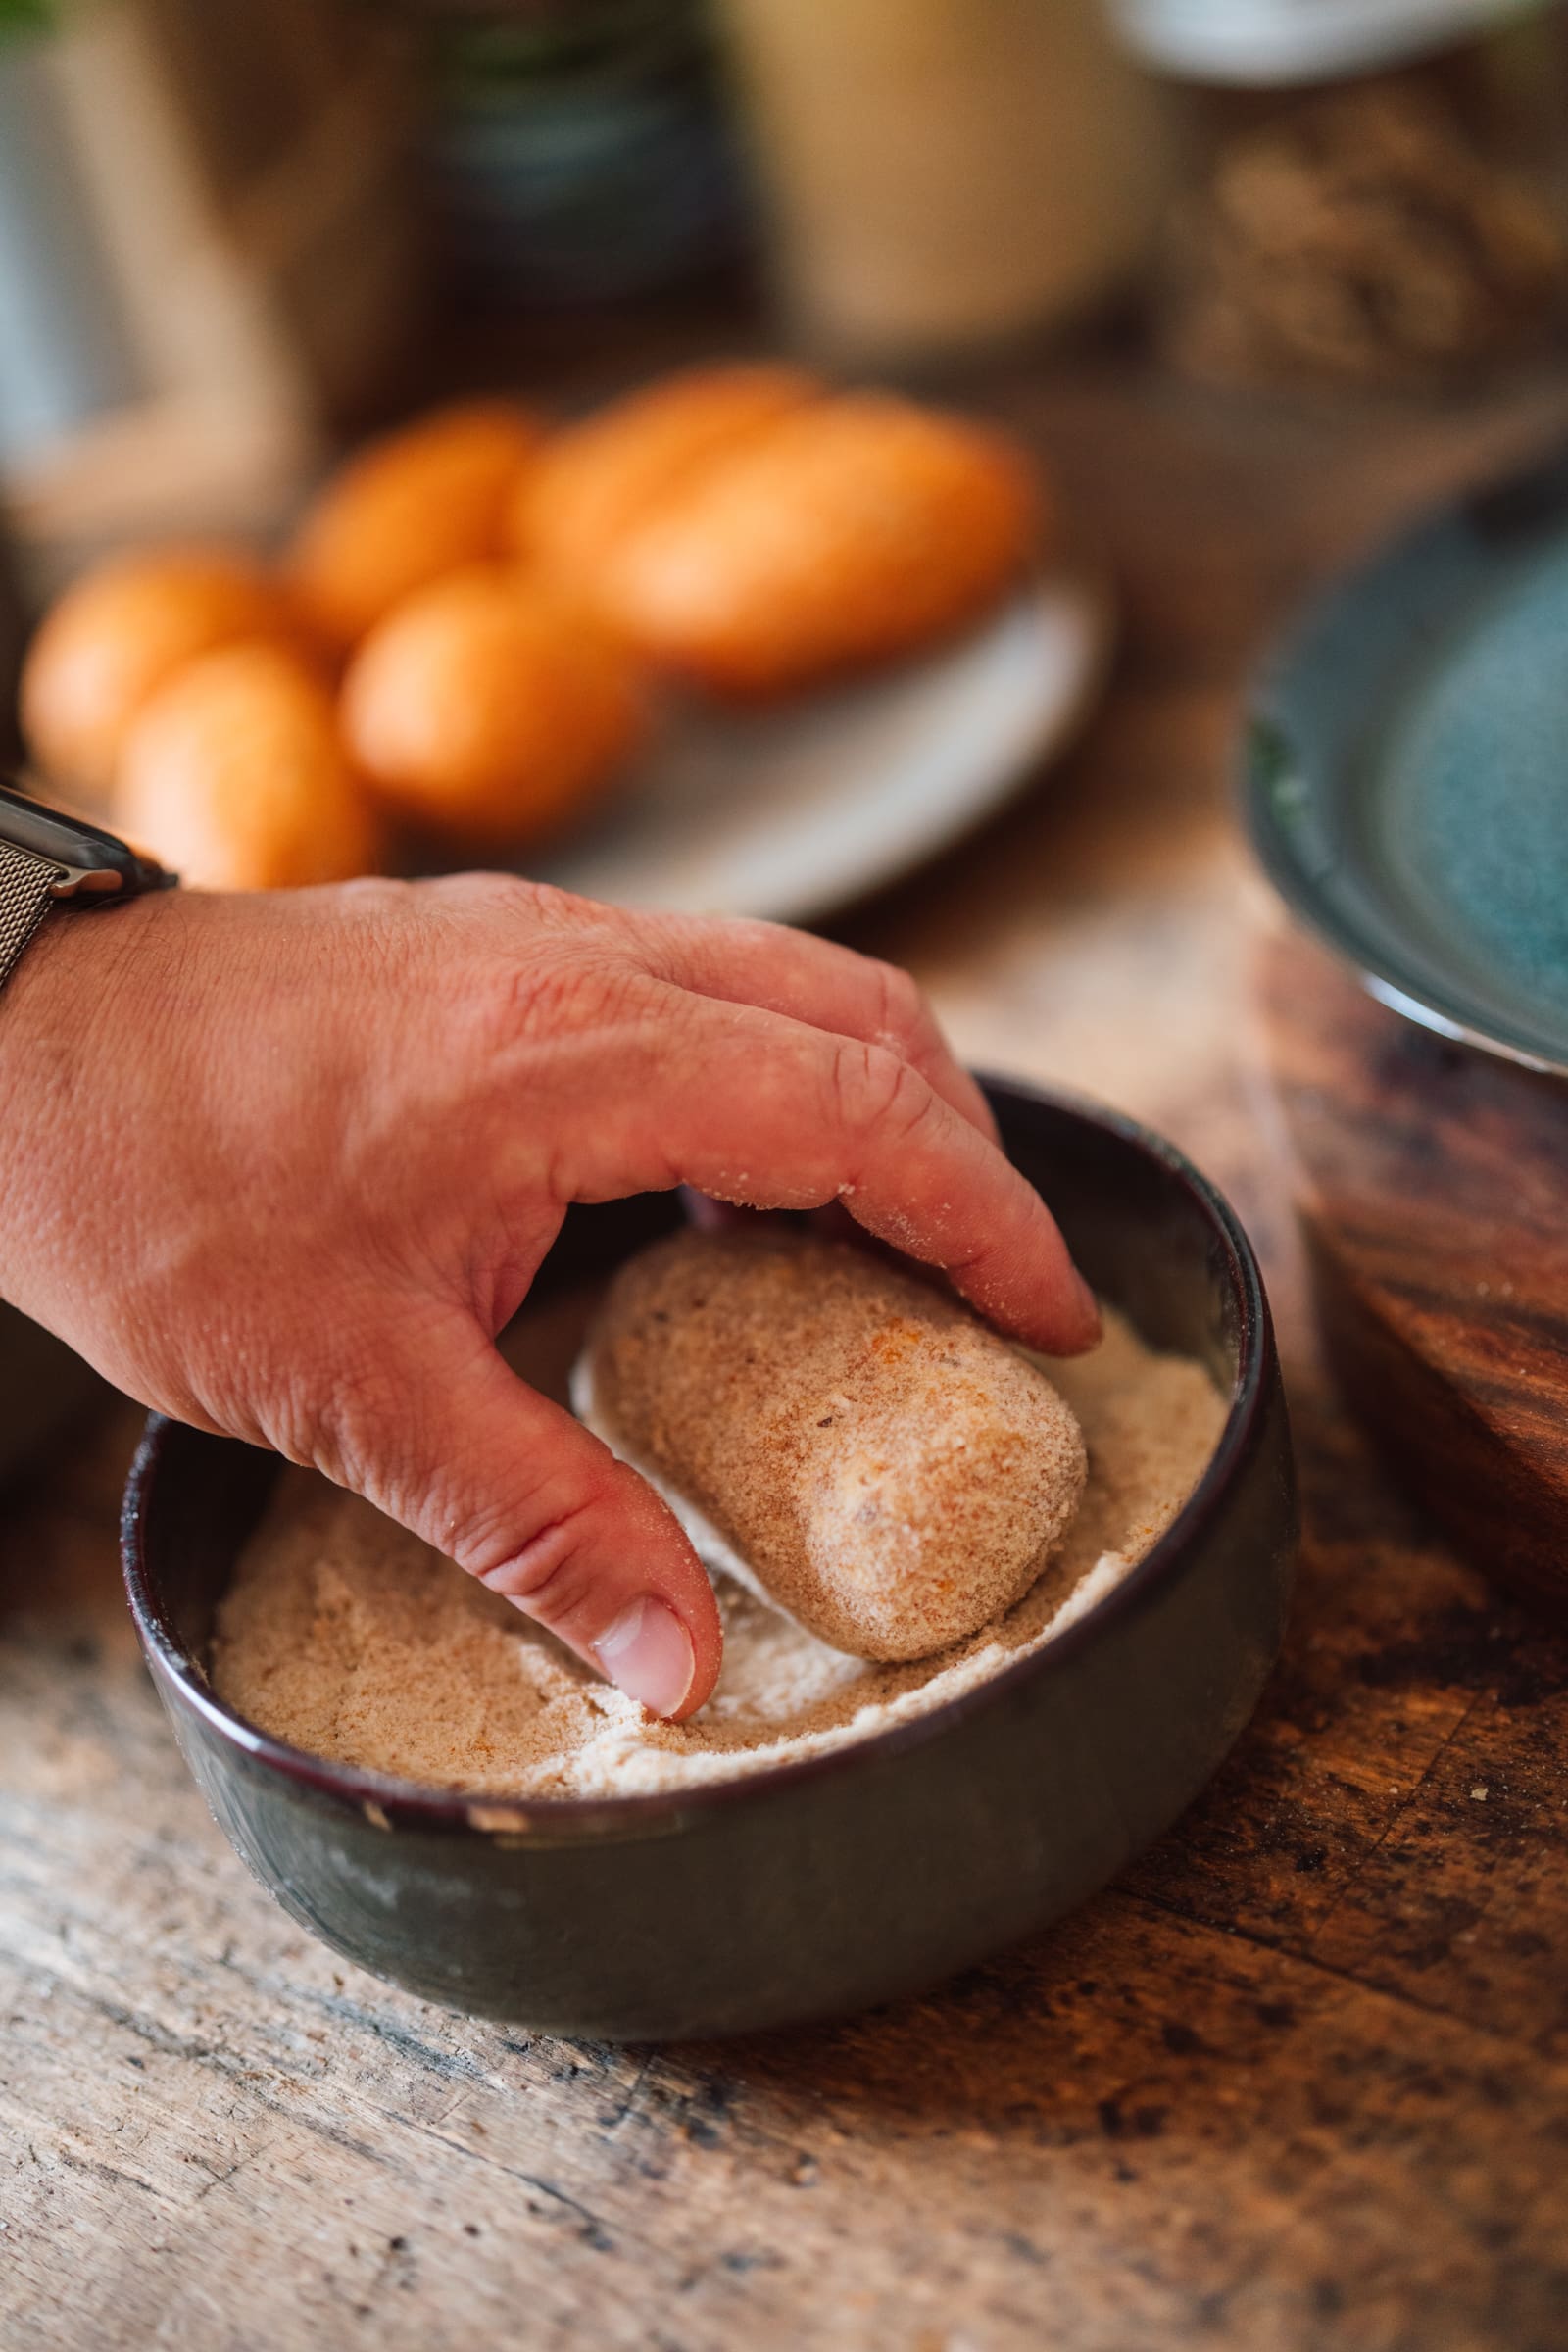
point(648, 1653)
point(1091, 1306)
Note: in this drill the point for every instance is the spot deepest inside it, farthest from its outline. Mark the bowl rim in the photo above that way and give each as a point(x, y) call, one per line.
point(389, 1800)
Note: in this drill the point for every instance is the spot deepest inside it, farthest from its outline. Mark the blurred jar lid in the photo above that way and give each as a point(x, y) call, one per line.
point(1265, 42)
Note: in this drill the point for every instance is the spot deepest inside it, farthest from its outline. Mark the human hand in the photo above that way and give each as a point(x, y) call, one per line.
point(284, 1168)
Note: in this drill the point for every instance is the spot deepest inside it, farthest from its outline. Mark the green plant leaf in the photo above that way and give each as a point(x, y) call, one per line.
point(27, 15)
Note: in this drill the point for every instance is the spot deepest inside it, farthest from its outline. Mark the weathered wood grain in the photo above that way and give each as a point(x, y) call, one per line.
point(1433, 1183)
point(1300, 2081)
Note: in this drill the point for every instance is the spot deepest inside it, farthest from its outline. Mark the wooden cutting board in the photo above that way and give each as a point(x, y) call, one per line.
point(1433, 1194)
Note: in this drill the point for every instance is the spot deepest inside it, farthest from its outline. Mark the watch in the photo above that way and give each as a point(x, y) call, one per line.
point(50, 859)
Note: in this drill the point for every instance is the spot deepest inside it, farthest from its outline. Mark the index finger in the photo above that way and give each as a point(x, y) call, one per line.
point(760, 1109)
point(816, 981)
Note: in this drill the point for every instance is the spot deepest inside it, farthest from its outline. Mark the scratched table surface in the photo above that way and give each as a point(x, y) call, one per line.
point(1299, 2078)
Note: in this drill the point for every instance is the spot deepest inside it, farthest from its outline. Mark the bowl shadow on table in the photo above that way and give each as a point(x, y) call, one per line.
point(44, 1389)
point(59, 1500)
point(66, 1439)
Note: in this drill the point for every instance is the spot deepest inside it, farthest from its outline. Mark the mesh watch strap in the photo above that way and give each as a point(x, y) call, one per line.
point(25, 885)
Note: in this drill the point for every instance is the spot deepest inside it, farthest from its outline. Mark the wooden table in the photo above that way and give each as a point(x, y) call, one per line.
point(1299, 2078)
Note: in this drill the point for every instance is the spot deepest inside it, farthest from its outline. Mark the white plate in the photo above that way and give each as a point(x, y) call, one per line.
point(790, 816)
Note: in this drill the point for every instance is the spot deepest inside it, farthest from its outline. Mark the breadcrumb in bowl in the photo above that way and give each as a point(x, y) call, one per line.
point(350, 1638)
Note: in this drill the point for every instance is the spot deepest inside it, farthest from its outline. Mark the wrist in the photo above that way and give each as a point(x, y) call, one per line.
point(68, 1004)
point(69, 975)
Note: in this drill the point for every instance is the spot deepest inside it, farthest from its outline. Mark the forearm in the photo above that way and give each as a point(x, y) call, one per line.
point(99, 1024)
point(58, 1016)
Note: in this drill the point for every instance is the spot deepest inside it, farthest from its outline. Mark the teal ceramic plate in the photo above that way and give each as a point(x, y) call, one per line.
point(1407, 772)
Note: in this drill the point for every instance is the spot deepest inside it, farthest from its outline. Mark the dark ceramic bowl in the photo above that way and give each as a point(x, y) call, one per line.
point(845, 1879)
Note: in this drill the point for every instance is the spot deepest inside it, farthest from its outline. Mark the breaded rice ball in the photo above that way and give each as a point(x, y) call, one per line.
point(488, 710)
point(119, 634)
point(406, 510)
point(234, 775)
point(886, 1469)
point(853, 532)
point(595, 480)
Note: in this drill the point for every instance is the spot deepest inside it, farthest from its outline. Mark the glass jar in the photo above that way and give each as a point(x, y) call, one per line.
point(1378, 191)
point(941, 174)
point(579, 150)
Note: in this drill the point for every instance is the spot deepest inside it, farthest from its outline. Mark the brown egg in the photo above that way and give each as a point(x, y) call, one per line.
point(594, 480)
point(418, 503)
point(488, 710)
point(852, 531)
point(235, 775)
point(119, 633)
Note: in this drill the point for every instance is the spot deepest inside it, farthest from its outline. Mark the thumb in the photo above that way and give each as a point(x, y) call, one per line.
point(537, 1508)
